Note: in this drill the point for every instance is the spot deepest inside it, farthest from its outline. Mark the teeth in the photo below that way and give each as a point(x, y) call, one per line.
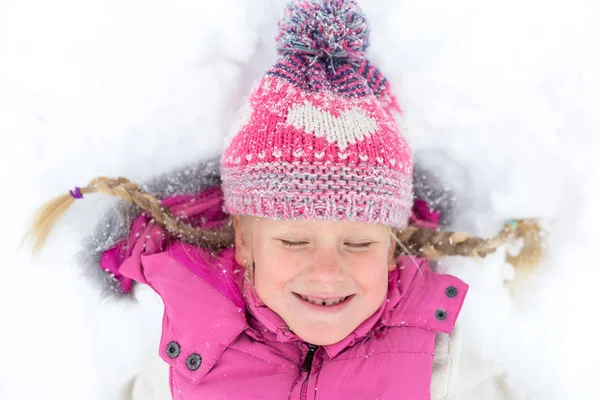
point(323, 302)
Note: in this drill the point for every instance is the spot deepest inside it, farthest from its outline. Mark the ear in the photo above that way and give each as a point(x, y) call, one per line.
point(243, 252)
point(392, 262)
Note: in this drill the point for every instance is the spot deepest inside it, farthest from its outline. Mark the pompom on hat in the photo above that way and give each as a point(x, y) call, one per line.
point(317, 137)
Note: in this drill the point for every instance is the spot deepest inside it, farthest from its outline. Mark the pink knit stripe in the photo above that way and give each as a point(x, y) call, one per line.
point(268, 137)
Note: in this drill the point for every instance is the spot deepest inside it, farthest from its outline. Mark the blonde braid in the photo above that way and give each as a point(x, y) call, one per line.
point(49, 214)
point(432, 244)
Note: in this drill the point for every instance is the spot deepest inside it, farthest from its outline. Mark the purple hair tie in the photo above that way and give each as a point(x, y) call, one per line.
point(76, 194)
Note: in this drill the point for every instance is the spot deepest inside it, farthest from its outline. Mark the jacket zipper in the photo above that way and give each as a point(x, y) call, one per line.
point(306, 367)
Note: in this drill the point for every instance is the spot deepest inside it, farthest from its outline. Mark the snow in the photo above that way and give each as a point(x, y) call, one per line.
point(499, 98)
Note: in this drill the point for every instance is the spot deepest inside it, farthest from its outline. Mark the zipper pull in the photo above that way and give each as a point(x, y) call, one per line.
point(307, 364)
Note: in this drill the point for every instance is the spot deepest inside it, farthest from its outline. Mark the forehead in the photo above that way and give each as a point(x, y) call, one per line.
point(315, 226)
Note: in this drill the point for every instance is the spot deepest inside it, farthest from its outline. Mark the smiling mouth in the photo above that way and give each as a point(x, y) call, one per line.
point(323, 302)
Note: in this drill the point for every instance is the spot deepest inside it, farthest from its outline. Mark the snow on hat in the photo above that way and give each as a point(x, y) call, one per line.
point(317, 137)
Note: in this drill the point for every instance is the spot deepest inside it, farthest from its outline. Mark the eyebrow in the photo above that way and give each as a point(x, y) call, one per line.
point(295, 229)
point(358, 235)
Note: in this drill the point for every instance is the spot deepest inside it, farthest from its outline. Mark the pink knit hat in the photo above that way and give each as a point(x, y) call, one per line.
point(317, 137)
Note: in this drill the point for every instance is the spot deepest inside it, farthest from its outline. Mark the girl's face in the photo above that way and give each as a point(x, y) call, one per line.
point(323, 278)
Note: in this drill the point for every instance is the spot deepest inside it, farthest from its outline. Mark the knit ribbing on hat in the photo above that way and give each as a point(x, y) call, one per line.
point(282, 190)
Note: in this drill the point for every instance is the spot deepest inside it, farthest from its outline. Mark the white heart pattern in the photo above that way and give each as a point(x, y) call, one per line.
point(350, 126)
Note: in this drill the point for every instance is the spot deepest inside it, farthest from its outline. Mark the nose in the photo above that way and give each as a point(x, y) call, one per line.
point(326, 268)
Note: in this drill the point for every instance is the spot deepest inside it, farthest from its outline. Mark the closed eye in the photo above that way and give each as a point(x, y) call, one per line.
point(287, 243)
point(360, 245)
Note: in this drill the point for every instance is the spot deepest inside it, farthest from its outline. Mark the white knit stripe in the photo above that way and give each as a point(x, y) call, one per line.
point(350, 126)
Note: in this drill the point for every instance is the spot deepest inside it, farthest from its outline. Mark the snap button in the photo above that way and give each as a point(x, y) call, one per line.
point(194, 361)
point(440, 314)
point(173, 349)
point(451, 291)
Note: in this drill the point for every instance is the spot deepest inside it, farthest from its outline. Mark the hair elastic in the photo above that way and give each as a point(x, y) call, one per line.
point(77, 193)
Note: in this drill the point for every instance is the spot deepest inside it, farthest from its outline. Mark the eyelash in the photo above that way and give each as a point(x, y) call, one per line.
point(353, 245)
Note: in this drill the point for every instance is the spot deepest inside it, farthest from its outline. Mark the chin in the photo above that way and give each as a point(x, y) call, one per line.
point(323, 336)
point(325, 341)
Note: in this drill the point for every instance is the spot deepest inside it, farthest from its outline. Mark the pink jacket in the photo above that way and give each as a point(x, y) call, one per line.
point(221, 342)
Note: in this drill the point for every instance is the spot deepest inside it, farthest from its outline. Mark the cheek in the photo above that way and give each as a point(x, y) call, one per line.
point(273, 271)
point(371, 274)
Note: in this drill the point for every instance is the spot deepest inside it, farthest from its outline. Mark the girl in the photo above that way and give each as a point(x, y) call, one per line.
point(292, 277)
